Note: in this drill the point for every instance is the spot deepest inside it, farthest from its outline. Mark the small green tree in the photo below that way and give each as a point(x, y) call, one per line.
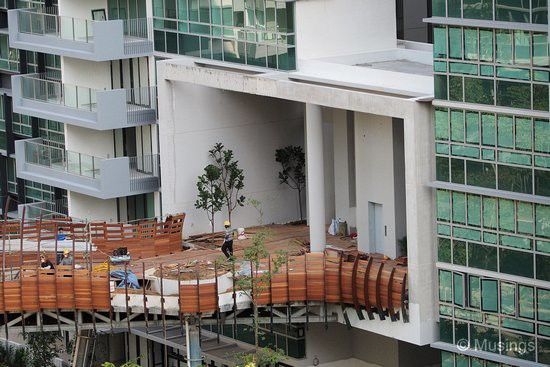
point(253, 286)
point(293, 162)
point(42, 348)
point(231, 179)
point(127, 364)
point(211, 196)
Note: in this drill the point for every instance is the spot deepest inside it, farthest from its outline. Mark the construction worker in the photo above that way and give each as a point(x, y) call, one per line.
point(45, 263)
point(67, 258)
point(227, 247)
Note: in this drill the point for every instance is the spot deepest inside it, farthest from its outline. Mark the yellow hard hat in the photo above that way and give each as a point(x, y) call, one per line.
point(227, 223)
point(66, 252)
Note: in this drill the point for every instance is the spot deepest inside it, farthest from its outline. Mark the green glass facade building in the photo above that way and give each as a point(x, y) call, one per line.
point(492, 157)
point(252, 32)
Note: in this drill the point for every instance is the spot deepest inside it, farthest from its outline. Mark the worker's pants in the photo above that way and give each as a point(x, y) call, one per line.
point(227, 248)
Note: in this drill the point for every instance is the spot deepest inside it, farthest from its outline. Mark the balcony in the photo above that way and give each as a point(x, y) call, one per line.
point(40, 96)
point(103, 178)
point(32, 30)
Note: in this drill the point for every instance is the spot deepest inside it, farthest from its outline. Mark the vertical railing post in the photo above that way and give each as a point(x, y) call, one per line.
point(80, 163)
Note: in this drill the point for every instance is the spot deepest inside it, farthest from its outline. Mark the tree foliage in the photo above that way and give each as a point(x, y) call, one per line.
point(211, 196)
point(42, 348)
point(231, 180)
point(253, 286)
point(293, 162)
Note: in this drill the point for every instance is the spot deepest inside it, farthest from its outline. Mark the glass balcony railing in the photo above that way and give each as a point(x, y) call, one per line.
point(62, 160)
point(63, 27)
point(39, 88)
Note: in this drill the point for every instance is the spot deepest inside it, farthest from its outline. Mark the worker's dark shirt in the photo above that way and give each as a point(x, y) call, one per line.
point(46, 264)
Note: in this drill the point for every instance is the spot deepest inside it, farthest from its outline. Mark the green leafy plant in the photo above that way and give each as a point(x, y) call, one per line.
point(231, 180)
point(127, 364)
point(42, 348)
point(293, 162)
point(11, 356)
point(253, 286)
point(211, 196)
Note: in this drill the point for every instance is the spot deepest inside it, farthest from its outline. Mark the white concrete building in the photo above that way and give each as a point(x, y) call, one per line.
point(329, 76)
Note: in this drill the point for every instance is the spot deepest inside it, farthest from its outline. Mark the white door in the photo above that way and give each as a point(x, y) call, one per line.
point(376, 228)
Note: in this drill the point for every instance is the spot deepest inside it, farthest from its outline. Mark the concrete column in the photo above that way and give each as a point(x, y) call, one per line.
point(194, 355)
point(315, 177)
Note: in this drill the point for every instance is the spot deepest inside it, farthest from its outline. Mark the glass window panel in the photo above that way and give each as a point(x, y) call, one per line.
point(464, 151)
point(481, 174)
point(487, 70)
point(543, 246)
point(456, 88)
point(503, 47)
point(455, 43)
point(442, 169)
point(513, 94)
point(543, 350)
point(470, 44)
point(458, 282)
point(475, 291)
point(489, 212)
point(459, 253)
point(540, 97)
point(457, 125)
point(478, 9)
point(467, 234)
point(482, 256)
point(526, 301)
point(543, 267)
point(525, 217)
point(543, 305)
point(542, 178)
point(160, 41)
point(459, 207)
point(440, 86)
point(472, 127)
point(489, 295)
point(541, 76)
point(457, 171)
point(516, 262)
point(474, 210)
point(440, 42)
point(443, 205)
point(515, 179)
point(505, 131)
point(455, 8)
point(524, 135)
point(463, 68)
point(542, 215)
point(479, 91)
point(512, 10)
point(517, 242)
point(513, 73)
point(522, 47)
point(445, 286)
point(515, 158)
point(540, 49)
point(506, 215)
point(446, 330)
point(444, 250)
point(447, 358)
point(439, 8)
point(485, 45)
point(441, 124)
point(540, 11)
point(488, 129)
point(542, 136)
point(507, 298)
point(483, 333)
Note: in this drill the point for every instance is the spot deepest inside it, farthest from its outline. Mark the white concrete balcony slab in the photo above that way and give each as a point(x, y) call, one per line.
point(103, 178)
point(39, 96)
point(30, 29)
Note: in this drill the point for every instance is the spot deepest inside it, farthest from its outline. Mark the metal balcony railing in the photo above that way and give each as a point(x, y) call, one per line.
point(144, 172)
point(141, 103)
point(50, 156)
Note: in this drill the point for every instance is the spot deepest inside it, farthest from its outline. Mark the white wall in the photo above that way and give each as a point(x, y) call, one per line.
point(327, 28)
point(194, 118)
point(90, 208)
point(81, 9)
point(91, 74)
point(88, 141)
point(374, 178)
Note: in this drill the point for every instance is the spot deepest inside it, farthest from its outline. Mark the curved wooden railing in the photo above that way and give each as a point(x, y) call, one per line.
point(365, 282)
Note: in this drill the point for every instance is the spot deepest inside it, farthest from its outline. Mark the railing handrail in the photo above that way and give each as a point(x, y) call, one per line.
point(133, 27)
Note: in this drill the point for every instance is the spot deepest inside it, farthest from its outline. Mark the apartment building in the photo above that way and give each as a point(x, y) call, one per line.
point(492, 181)
point(82, 103)
point(438, 154)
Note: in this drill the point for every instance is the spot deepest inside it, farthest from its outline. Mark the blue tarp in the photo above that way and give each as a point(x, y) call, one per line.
point(130, 278)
